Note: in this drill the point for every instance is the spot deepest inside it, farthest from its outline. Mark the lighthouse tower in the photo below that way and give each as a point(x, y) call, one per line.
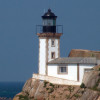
point(49, 41)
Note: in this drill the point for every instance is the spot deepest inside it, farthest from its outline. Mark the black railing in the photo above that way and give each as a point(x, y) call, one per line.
point(40, 29)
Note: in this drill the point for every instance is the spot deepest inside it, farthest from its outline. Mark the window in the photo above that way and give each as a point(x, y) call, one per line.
point(63, 70)
point(53, 43)
point(48, 22)
point(52, 55)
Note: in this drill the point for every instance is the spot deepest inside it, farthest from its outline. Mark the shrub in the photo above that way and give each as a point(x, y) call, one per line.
point(82, 85)
point(51, 85)
point(45, 83)
point(47, 88)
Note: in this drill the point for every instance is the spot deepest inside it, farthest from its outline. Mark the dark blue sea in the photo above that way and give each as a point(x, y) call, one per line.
point(10, 89)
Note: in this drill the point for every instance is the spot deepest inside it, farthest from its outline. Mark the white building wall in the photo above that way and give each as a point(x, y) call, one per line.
point(72, 72)
point(42, 56)
point(53, 49)
point(81, 69)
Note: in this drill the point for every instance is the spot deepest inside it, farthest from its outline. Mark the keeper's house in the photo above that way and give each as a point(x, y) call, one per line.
point(50, 62)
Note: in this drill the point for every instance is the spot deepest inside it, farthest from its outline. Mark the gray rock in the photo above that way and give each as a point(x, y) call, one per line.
point(91, 78)
point(90, 95)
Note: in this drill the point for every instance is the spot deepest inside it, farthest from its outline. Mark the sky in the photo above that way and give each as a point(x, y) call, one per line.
point(18, 39)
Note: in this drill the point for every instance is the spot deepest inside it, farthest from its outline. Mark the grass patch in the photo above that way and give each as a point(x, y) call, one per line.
point(21, 97)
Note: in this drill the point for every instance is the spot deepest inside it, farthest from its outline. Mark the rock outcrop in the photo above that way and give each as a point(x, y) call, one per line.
point(92, 79)
point(84, 53)
point(42, 90)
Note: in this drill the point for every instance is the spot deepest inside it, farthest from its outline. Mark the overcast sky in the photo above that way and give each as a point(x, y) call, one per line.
point(18, 40)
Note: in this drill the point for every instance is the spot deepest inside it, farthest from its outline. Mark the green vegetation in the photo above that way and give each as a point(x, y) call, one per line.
point(70, 89)
point(47, 88)
point(51, 85)
point(21, 97)
point(76, 95)
point(82, 85)
point(45, 83)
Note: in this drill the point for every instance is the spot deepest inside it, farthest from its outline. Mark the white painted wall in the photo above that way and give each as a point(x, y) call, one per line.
point(53, 49)
point(42, 56)
point(81, 69)
point(72, 71)
point(42, 53)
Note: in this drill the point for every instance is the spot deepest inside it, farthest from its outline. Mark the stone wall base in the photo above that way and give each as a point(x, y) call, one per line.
point(55, 80)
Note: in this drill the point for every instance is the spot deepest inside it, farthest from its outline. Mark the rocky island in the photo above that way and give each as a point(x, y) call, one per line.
point(35, 89)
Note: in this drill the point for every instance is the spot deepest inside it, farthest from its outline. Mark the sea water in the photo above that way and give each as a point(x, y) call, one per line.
point(9, 89)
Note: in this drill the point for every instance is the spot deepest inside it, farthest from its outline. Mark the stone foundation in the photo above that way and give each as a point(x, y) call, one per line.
point(55, 80)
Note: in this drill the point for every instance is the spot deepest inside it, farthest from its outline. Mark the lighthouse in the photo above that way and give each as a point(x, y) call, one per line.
point(49, 42)
point(52, 67)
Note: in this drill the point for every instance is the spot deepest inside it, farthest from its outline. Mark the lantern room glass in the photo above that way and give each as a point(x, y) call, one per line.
point(49, 22)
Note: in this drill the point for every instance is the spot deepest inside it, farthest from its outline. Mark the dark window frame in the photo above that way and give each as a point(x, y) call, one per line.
point(59, 69)
point(53, 45)
point(52, 55)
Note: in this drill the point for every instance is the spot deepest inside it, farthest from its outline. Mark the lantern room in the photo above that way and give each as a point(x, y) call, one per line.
point(49, 22)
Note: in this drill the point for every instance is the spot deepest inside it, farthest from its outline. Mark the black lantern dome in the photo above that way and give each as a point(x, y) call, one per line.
point(49, 14)
point(49, 22)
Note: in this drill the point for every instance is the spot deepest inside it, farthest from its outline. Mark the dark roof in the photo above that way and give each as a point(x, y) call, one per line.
point(49, 14)
point(74, 60)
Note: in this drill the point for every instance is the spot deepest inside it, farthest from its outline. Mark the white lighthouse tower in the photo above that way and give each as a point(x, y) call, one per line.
point(49, 42)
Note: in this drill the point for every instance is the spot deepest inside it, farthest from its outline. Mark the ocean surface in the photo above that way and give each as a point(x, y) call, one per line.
point(9, 89)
